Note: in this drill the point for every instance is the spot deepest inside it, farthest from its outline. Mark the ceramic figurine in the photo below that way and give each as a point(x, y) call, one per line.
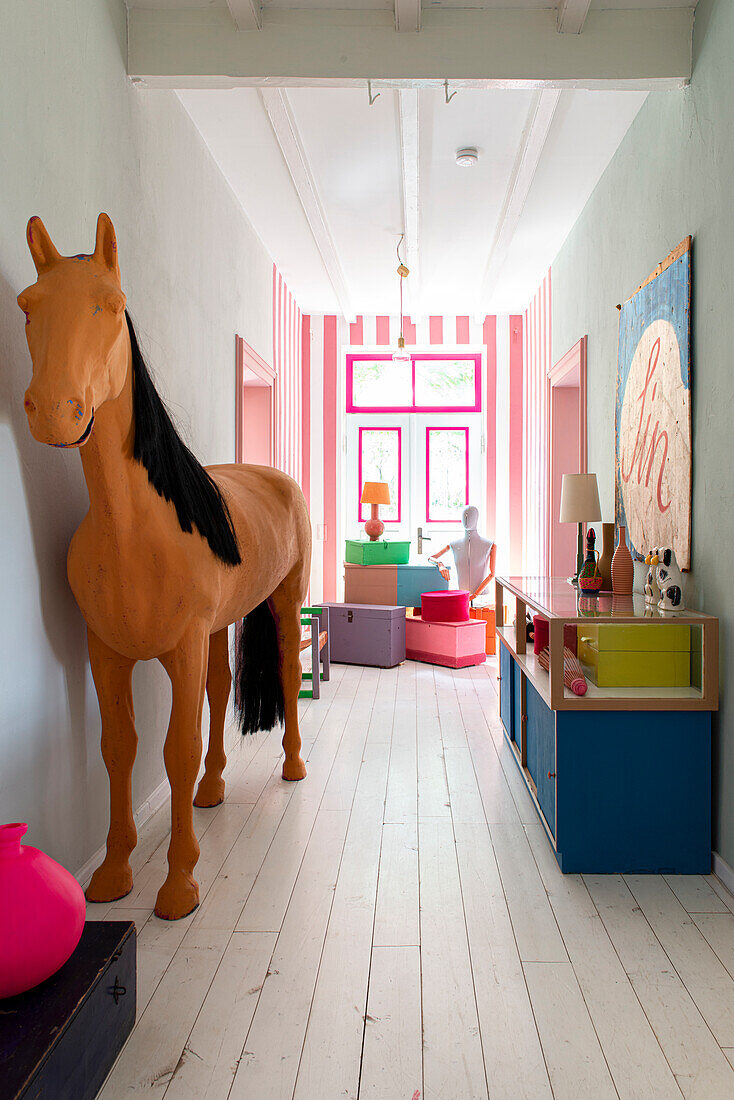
point(652, 588)
point(590, 578)
point(671, 595)
point(168, 556)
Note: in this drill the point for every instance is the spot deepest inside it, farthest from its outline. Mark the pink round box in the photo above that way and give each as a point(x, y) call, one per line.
point(445, 607)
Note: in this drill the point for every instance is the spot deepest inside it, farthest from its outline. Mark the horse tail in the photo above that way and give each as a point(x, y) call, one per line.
point(258, 695)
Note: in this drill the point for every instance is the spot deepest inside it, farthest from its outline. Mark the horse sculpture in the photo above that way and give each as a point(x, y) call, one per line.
point(167, 557)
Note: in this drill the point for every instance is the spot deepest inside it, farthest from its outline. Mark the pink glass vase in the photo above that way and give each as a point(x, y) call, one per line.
point(41, 914)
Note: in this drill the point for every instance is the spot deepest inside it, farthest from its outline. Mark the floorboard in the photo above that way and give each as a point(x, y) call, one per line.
point(396, 926)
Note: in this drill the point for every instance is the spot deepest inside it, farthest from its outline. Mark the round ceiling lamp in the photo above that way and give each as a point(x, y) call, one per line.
point(468, 157)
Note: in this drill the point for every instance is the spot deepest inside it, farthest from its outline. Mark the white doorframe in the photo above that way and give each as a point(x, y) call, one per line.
point(342, 417)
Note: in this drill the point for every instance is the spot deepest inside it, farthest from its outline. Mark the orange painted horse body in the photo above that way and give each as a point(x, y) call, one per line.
point(168, 556)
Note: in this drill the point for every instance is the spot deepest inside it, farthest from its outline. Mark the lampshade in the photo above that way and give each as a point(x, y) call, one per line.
point(579, 499)
point(375, 492)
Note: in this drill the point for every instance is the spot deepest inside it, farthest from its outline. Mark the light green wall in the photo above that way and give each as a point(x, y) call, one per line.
point(672, 175)
point(75, 138)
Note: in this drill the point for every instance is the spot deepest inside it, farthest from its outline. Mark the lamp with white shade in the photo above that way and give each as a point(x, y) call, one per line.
point(579, 504)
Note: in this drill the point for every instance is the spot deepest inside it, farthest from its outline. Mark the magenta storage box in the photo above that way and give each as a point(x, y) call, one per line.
point(366, 634)
point(445, 607)
point(453, 644)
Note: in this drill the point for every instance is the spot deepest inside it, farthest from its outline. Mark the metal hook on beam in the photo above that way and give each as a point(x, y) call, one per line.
point(370, 96)
point(446, 90)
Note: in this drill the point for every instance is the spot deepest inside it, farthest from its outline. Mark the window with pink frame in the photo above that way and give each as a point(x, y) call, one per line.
point(447, 473)
point(380, 459)
point(429, 382)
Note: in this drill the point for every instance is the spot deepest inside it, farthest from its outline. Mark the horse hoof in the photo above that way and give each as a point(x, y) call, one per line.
point(210, 792)
point(293, 770)
point(177, 897)
point(110, 882)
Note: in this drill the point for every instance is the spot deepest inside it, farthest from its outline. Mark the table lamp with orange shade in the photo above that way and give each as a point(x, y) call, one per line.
point(375, 493)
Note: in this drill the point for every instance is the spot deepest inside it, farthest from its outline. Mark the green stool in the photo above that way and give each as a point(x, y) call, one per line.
point(317, 618)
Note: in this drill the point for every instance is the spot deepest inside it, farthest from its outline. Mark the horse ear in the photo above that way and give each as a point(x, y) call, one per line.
point(43, 250)
point(105, 248)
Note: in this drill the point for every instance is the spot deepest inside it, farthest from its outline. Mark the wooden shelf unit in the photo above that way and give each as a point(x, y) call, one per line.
point(614, 794)
point(547, 597)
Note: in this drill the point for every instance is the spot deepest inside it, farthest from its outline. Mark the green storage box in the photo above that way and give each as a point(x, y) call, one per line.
point(631, 655)
point(380, 552)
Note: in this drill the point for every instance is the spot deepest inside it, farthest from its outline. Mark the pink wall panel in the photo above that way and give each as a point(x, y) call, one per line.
point(535, 452)
point(256, 425)
point(516, 444)
point(435, 330)
point(288, 365)
point(462, 330)
point(382, 330)
point(489, 337)
point(306, 407)
point(331, 454)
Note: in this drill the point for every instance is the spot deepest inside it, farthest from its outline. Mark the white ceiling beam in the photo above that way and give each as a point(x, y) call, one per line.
point(247, 14)
point(407, 15)
point(540, 117)
point(278, 110)
point(410, 172)
point(639, 48)
point(571, 16)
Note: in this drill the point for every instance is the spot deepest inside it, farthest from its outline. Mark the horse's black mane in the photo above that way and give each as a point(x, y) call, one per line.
point(173, 471)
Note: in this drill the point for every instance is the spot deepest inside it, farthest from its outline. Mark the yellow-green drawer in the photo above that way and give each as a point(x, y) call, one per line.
point(640, 638)
point(635, 668)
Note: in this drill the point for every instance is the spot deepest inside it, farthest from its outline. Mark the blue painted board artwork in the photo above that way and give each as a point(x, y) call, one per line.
point(653, 411)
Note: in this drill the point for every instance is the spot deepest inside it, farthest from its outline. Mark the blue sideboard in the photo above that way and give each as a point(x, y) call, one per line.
point(617, 788)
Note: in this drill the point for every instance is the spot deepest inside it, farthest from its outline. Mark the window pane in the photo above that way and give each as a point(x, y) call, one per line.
point(380, 461)
point(445, 383)
point(446, 473)
point(380, 384)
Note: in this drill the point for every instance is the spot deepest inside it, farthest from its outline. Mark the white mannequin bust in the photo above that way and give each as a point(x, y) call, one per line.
point(472, 554)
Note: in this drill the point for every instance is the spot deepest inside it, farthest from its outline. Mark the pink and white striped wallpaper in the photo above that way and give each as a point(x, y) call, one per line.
point(307, 357)
point(538, 361)
point(502, 338)
point(288, 451)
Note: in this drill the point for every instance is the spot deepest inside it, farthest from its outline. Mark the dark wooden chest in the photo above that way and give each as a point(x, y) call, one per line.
point(59, 1040)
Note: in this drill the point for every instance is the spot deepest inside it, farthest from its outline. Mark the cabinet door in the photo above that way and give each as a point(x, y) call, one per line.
point(506, 692)
point(541, 752)
point(517, 708)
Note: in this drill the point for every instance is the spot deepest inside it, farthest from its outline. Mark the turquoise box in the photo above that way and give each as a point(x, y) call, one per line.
point(414, 580)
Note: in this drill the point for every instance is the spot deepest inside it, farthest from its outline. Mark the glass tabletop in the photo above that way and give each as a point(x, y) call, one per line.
point(555, 598)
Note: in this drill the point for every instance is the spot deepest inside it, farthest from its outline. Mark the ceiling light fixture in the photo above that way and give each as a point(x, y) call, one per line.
point(468, 157)
point(401, 355)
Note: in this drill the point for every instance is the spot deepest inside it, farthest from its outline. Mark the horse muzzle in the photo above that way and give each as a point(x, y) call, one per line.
point(61, 428)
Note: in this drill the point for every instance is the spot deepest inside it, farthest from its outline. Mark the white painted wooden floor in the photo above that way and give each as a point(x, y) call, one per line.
point(396, 927)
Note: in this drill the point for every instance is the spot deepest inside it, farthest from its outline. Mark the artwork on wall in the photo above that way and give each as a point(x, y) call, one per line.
point(653, 413)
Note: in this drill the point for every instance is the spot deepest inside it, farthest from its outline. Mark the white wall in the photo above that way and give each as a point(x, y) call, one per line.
point(76, 138)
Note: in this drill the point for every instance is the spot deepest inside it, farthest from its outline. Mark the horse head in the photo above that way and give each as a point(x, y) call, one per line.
point(76, 332)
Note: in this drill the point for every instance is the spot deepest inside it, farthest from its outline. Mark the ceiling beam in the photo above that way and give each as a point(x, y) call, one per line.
point(247, 14)
point(540, 117)
point(407, 15)
point(278, 110)
point(640, 48)
point(409, 172)
point(571, 16)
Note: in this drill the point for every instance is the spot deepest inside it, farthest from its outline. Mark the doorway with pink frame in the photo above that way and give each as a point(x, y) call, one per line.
point(566, 448)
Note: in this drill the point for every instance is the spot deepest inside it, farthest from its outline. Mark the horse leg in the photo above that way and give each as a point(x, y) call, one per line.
point(285, 604)
point(210, 791)
point(186, 666)
point(112, 675)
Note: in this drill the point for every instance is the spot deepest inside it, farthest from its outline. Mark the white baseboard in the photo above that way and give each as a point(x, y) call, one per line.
point(723, 872)
point(143, 813)
point(233, 742)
